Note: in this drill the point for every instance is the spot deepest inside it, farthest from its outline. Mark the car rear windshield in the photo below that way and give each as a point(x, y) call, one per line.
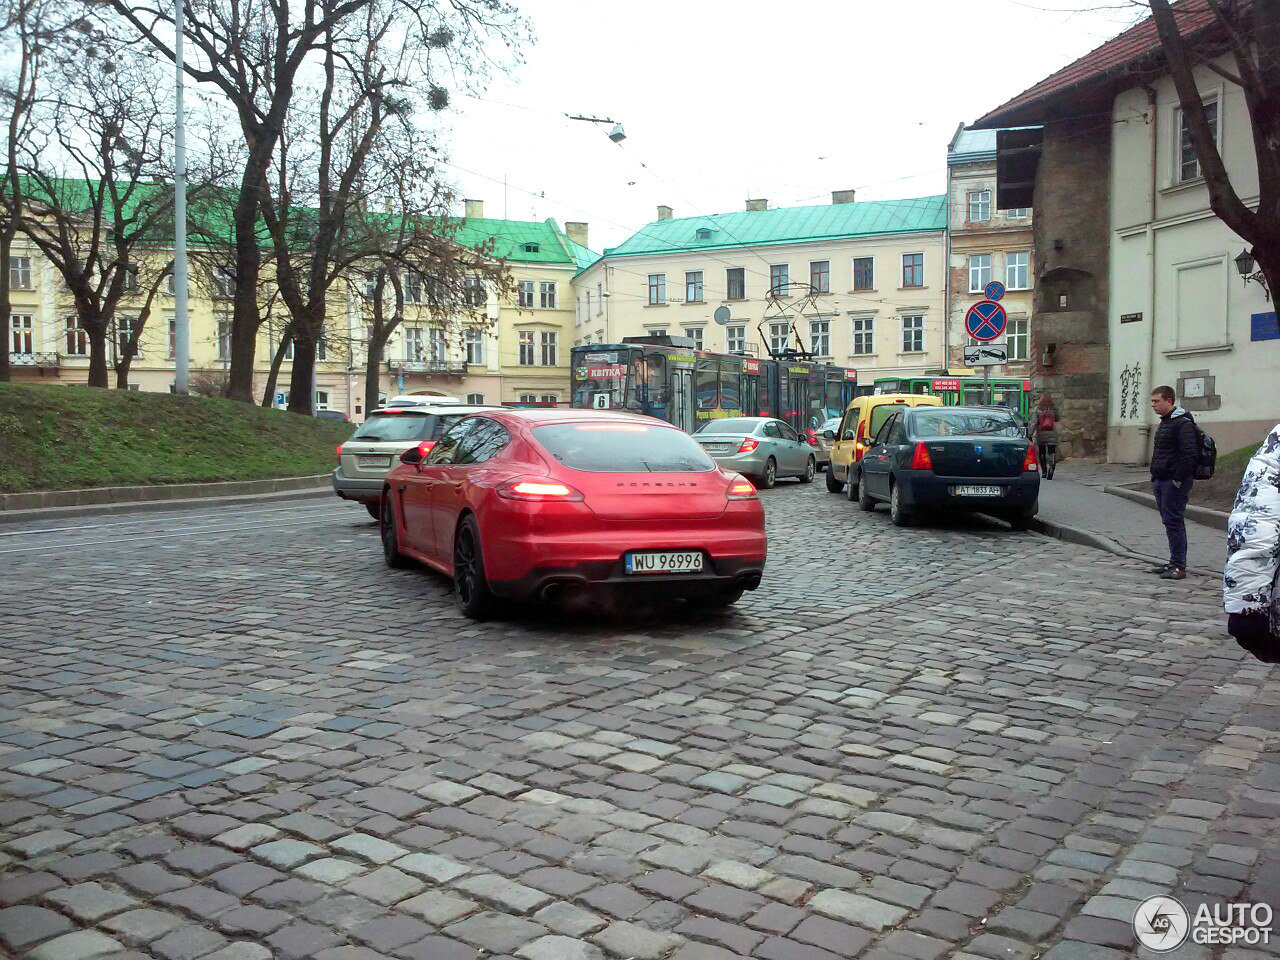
point(965, 423)
point(622, 448)
point(399, 426)
point(731, 425)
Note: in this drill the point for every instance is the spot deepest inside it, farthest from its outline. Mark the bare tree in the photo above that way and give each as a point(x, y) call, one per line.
point(125, 336)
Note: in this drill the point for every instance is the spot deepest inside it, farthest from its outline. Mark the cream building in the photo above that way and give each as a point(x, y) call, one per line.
point(861, 284)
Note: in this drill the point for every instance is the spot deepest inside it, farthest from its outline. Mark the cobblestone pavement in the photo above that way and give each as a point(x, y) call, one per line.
point(237, 735)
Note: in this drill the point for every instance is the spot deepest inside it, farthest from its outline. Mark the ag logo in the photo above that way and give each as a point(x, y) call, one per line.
point(1161, 924)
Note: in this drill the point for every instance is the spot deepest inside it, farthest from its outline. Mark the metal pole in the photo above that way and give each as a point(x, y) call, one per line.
point(986, 385)
point(181, 319)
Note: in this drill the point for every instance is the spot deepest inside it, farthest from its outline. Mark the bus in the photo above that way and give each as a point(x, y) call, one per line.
point(1011, 392)
point(688, 388)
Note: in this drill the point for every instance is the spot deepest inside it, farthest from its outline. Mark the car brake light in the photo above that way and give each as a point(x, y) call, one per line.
point(339, 451)
point(920, 460)
point(740, 488)
point(748, 445)
point(538, 490)
point(860, 445)
point(1030, 464)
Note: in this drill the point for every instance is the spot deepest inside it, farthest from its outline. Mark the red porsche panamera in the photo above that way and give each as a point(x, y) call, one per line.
point(532, 504)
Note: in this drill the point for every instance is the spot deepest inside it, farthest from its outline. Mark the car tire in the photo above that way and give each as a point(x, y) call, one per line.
point(470, 586)
point(1022, 521)
point(810, 468)
point(833, 485)
point(898, 513)
point(375, 510)
point(390, 536)
point(770, 475)
point(866, 502)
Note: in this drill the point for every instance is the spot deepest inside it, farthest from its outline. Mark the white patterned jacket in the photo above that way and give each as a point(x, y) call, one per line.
point(1253, 533)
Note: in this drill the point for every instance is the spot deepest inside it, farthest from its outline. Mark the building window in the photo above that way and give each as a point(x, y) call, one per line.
point(1017, 270)
point(173, 338)
point(131, 283)
point(524, 293)
point(913, 334)
point(735, 338)
point(549, 398)
point(528, 398)
point(820, 338)
point(864, 273)
point(474, 340)
point(224, 338)
point(413, 343)
point(437, 348)
point(370, 285)
point(548, 294)
point(124, 333)
point(693, 286)
point(526, 348)
point(1188, 163)
point(322, 399)
point(779, 334)
point(599, 299)
point(578, 314)
point(77, 339)
point(657, 288)
point(322, 349)
point(694, 334)
point(913, 269)
point(20, 273)
point(475, 399)
point(779, 279)
point(1017, 340)
point(735, 283)
point(1018, 213)
point(170, 284)
point(476, 295)
point(864, 335)
point(820, 276)
point(22, 334)
point(412, 288)
point(979, 272)
point(224, 284)
point(979, 206)
point(549, 348)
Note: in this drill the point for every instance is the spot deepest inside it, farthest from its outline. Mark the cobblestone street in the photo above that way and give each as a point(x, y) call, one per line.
point(235, 734)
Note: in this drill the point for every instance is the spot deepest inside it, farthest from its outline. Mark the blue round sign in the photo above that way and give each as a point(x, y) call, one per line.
point(985, 321)
point(993, 290)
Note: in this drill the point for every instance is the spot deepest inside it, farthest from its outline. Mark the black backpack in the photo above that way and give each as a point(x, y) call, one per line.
point(1206, 452)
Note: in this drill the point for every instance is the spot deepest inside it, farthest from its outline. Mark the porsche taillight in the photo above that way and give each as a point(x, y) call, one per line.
point(920, 459)
point(539, 491)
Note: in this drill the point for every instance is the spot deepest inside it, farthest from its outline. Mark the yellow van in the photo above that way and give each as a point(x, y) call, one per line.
point(862, 419)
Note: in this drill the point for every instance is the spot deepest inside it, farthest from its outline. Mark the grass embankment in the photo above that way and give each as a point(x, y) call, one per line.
point(1219, 491)
point(62, 438)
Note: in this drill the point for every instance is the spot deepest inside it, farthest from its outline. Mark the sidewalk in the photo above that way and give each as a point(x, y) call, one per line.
point(1074, 507)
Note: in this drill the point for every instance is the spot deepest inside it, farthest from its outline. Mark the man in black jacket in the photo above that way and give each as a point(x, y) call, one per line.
point(1173, 469)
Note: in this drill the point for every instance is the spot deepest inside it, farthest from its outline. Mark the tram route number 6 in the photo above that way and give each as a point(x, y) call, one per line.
point(600, 401)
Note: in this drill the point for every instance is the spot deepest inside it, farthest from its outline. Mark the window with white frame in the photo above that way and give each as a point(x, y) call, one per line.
point(779, 279)
point(694, 334)
point(21, 334)
point(1018, 213)
point(1187, 163)
point(20, 273)
point(131, 282)
point(77, 338)
point(276, 333)
point(224, 338)
point(476, 295)
point(979, 206)
point(437, 346)
point(549, 347)
point(475, 399)
point(370, 285)
point(528, 398)
point(550, 398)
point(474, 341)
point(548, 295)
point(599, 298)
point(693, 286)
point(169, 285)
point(735, 338)
point(657, 288)
point(526, 348)
point(1018, 338)
point(578, 314)
point(913, 334)
point(820, 338)
point(412, 288)
point(413, 344)
point(864, 335)
point(322, 399)
point(224, 283)
point(322, 348)
point(124, 333)
point(1017, 270)
point(525, 292)
point(979, 271)
point(779, 335)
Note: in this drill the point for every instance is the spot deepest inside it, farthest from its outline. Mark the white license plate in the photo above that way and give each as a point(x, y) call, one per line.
point(373, 461)
point(717, 447)
point(682, 561)
point(975, 491)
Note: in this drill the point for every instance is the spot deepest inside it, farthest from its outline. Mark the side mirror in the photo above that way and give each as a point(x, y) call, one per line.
point(828, 434)
point(413, 455)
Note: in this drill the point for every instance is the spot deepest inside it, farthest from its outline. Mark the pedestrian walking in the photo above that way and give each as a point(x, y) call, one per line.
point(1249, 593)
point(1044, 431)
point(1174, 458)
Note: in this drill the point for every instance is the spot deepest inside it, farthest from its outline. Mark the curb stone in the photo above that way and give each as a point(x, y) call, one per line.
point(1201, 515)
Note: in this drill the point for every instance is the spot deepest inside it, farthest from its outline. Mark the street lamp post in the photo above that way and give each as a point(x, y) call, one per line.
point(181, 319)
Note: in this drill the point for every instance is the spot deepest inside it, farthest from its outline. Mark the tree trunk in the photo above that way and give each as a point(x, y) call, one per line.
point(373, 373)
point(98, 365)
point(1268, 257)
point(277, 360)
point(244, 338)
point(122, 372)
point(244, 310)
point(302, 376)
point(6, 306)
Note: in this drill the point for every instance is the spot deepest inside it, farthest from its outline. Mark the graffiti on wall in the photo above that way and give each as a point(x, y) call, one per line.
point(1130, 391)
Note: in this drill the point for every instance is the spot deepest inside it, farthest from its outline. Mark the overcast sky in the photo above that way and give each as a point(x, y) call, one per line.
point(728, 99)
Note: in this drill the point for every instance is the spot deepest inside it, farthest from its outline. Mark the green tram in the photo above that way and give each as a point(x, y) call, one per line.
point(964, 388)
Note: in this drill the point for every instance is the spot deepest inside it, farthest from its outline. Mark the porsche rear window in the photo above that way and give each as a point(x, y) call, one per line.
point(622, 448)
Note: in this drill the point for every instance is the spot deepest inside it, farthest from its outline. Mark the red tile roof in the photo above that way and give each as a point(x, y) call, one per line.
point(1107, 62)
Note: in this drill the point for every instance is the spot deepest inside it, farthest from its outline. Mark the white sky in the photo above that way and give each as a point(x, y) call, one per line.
point(728, 99)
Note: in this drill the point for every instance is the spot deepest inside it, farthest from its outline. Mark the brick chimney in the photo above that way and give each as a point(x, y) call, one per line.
point(757, 204)
point(475, 209)
point(664, 212)
point(577, 232)
point(842, 196)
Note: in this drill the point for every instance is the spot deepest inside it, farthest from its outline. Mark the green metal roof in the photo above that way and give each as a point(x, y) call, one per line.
point(785, 225)
point(513, 240)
